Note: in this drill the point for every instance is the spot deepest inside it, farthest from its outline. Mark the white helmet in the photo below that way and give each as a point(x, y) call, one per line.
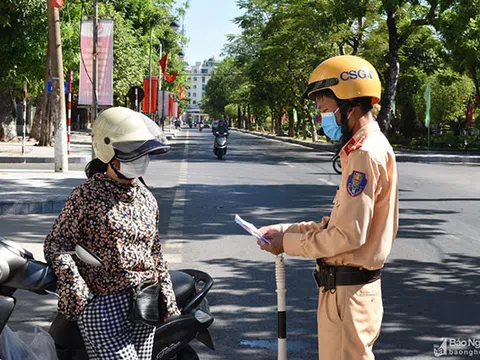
point(126, 135)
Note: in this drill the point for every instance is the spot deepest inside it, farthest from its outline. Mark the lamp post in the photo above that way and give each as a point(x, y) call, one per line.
point(174, 25)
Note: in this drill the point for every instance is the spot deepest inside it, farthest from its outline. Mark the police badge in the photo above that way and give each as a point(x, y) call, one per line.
point(356, 183)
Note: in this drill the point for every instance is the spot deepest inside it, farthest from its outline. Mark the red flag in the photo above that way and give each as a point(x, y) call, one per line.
point(163, 63)
point(56, 3)
point(171, 78)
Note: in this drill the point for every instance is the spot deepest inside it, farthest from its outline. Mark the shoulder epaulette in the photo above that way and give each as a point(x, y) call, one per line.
point(353, 145)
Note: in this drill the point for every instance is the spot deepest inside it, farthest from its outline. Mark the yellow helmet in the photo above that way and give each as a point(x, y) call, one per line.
point(348, 76)
point(126, 135)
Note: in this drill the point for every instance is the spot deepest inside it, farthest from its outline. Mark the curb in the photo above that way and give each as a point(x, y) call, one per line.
point(39, 159)
point(31, 207)
point(418, 158)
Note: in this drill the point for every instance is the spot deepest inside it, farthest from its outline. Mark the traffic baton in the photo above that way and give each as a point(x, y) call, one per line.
point(281, 307)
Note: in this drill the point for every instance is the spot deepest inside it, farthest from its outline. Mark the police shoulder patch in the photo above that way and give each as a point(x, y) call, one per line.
point(356, 183)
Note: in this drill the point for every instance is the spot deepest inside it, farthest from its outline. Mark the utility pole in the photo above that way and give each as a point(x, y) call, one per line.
point(94, 76)
point(58, 95)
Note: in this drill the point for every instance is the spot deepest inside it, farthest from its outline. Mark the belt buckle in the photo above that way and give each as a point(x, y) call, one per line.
point(329, 277)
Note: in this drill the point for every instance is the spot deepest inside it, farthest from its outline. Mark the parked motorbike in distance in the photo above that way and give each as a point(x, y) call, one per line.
point(200, 127)
point(20, 270)
point(220, 144)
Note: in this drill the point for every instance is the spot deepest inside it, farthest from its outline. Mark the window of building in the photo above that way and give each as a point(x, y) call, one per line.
point(194, 94)
point(204, 71)
point(203, 79)
point(194, 86)
point(194, 102)
point(189, 94)
point(194, 78)
point(203, 86)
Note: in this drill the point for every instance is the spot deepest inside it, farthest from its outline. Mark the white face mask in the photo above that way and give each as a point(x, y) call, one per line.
point(134, 169)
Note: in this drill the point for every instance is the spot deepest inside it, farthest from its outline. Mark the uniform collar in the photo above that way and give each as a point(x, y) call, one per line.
point(366, 130)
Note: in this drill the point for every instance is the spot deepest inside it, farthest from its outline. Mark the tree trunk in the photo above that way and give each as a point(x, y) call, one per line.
point(300, 120)
point(307, 116)
point(278, 127)
point(391, 77)
point(239, 117)
point(291, 126)
point(8, 120)
point(39, 116)
point(272, 123)
point(473, 71)
point(314, 131)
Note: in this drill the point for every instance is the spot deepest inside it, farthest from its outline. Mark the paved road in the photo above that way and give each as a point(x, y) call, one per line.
point(431, 280)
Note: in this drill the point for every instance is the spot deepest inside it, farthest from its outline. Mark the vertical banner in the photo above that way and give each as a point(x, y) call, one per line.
point(175, 109)
point(171, 106)
point(104, 63)
point(146, 91)
point(163, 103)
point(152, 94)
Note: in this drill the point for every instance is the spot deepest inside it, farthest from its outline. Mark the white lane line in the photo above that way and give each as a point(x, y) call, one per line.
point(177, 217)
point(327, 182)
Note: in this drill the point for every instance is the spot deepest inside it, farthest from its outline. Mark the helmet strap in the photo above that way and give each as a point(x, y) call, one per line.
point(118, 173)
point(345, 106)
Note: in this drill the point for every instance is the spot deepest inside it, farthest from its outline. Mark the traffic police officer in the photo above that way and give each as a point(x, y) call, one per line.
point(352, 244)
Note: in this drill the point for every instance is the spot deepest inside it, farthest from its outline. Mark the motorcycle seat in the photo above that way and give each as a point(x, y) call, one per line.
point(183, 286)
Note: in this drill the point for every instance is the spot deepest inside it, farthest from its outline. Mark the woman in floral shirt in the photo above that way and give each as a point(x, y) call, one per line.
point(116, 217)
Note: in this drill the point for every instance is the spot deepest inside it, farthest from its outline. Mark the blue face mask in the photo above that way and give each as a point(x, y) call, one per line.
point(330, 126)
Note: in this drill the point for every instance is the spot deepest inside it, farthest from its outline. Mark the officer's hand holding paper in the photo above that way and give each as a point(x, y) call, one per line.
point(250, 228)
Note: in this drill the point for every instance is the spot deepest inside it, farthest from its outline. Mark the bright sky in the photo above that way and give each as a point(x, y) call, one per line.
point(207, 23)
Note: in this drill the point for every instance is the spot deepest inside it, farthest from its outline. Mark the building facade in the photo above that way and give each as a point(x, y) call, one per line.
point(199, 75)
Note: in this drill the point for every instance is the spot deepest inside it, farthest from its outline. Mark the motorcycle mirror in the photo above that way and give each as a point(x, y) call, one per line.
point(87, 256)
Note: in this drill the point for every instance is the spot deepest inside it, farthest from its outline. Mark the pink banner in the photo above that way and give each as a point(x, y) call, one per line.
point(104, 63)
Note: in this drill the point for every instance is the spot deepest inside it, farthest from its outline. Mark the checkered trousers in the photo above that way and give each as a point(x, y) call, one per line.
point(109, 335)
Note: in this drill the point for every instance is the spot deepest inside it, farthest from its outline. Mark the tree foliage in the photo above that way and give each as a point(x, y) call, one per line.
point(408, 41)
point(24, 40)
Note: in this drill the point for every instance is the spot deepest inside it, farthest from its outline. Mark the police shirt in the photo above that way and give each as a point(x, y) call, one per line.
point(364, 219)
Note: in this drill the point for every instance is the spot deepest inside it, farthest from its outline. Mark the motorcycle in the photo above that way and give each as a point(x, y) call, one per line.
point(337, 165)
point(200, 127)
point(220, 144)
point(20, 270)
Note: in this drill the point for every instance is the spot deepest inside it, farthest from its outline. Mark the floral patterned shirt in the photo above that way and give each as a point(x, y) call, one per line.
point(119, 224)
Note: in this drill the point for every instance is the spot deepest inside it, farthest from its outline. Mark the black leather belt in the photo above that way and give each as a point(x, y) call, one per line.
point(329, 276)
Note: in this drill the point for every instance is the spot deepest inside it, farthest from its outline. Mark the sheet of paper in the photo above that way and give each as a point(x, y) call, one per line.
point(250, 228)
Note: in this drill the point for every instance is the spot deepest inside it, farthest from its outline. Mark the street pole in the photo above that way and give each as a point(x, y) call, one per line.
point(58, 94)
point(94, 77)
point(160, 80)
point(24, 117)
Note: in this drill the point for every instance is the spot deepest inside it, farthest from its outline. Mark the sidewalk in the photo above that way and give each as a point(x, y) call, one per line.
point(29, 188)
point(401, 155)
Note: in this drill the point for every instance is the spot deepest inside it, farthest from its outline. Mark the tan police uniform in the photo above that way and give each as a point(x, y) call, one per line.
point(360, 232)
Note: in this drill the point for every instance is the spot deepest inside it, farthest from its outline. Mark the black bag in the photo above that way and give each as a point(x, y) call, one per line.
point(147, 304)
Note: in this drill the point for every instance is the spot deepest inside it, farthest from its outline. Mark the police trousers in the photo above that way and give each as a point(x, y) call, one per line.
point(349, 321)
